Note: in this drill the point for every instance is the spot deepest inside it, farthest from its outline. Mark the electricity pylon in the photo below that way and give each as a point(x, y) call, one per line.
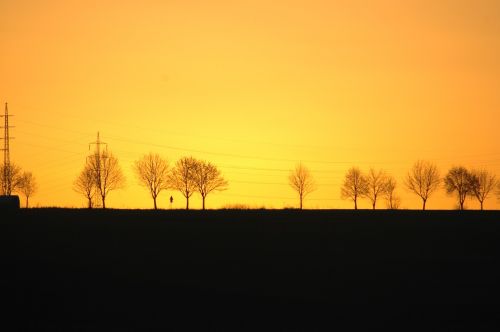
point(98, 144)
point(7, 181)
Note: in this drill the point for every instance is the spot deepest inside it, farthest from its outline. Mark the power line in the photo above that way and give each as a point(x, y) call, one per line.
point(278, 197)
point(278, 183)
point(72, 142)
point(52, 148)
point(253, 157)
point(170, 132)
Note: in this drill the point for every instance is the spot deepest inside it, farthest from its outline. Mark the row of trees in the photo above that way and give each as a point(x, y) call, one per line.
point(476, 184)
point(375, 185)
point(14, 180)
point(423, 180)
point(189, 175)
point(102, 174)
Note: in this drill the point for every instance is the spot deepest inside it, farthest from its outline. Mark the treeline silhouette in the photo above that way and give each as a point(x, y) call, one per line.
point(423, 180)
point(102, 174)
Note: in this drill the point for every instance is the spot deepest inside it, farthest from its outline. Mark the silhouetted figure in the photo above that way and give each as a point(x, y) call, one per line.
point(182, 179)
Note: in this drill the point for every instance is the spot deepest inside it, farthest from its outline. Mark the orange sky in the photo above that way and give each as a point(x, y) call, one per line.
point(254, 87)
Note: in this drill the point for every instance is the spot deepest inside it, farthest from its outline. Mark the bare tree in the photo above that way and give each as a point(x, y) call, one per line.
point(182, 177)
point(85, 184)
point(354, 186)
point(423, 180)
point(107, 174)
point(207, 178)
point(302, 182)
point(459, 180)
point(152, 172)
point(483, 182)
point(376, 185)
point(393, 201)
point(10, 178)
point(27, 186)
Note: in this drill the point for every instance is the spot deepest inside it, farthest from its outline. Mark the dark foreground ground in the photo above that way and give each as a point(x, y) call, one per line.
point(79, 270)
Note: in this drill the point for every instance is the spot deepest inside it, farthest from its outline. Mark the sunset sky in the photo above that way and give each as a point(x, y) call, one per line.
point(254, 87)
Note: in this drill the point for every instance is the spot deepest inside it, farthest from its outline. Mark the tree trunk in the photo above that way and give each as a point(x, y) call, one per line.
point(187, 203)
point(355, 203)
point(103, 202)
point(203, 202)
point(27, 201)
point(373, 204)
point(423, 207)
point(300, 201)
point(481, 205)
point(154, 200)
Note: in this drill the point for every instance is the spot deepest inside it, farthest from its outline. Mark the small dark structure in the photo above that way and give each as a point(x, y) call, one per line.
point(9, 202)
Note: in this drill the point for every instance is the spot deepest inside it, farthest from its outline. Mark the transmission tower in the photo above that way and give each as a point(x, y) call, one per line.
point(98, 144)
point(98, 157)
point(7, 181)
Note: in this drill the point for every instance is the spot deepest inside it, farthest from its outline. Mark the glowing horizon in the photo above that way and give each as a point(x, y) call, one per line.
point(254, 88)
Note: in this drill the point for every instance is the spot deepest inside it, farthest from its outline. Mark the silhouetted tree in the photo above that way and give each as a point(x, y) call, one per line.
point(459, 180)
point(152, 172)
point(182, 177)
point(107, 174)
point(423, 179)
point(354, 186)
point(483, 182)
point(9, 178)
point(207, 178)
point(85, 185)
point(302, 182)
point(393, 201)
point(376, 182)
point(27, 186)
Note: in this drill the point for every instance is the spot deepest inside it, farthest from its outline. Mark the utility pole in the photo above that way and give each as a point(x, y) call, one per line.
point(7, 181)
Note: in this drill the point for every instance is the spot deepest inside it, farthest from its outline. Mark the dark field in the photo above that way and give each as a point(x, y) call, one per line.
point(250, 270)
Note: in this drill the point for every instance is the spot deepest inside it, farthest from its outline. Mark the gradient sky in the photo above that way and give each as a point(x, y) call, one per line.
point(254, 87)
